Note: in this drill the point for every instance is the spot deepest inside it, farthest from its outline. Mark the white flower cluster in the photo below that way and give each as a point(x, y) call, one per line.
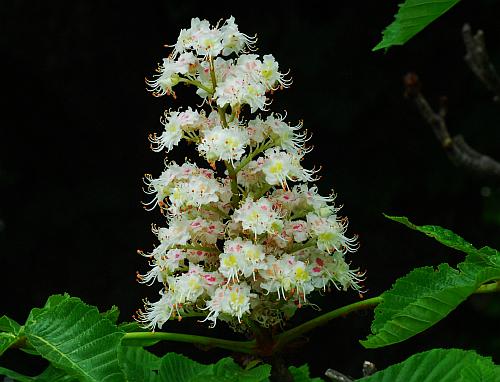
point(250, 244)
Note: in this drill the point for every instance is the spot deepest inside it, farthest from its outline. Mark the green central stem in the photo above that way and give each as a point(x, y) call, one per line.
point(235, 199)
point(247, 347)
point(289, 335)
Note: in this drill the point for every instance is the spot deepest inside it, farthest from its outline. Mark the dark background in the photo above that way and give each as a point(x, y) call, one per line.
point(76, 115)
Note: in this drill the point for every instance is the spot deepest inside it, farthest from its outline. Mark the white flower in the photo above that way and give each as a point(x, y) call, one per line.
point(302, 280)
point(258, 217)
point(281, 165)
point(170, 137)
point(200, 37)
point(287, 274)
point(157, 313)
point(333, 268)
point(253, 93)
point(206, 231)
point(167, 78)
point(197, 191)
point(230, 265)
point(229, 92)
point(160, 187)
point(270, 74)
point(251, 175)
point(298, 229)
point(233, 40)
point(233, 299)
point(287, 136)
point(177, 232)
point(208, 42)
point(257, 129)
point(330, 234)
point(321, 205)
point(190, 285)
point(183, 187)
point(285, 200)
point(187, 37)
point(278, 276)
point(164, 262)
point(190, 120)
point(223, 70)
point(241, 84)
point(241, 257)
point(224, 144)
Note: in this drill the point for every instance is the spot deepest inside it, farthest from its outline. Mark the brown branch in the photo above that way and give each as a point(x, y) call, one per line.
point(337, 376)
point(456, 148)
point(479, 61)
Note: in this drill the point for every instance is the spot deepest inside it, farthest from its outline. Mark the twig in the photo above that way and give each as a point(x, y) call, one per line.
point(456, 148)
point(336, 376)
point(479, 61)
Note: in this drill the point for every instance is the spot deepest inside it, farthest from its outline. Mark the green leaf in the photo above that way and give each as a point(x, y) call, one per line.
point(443, 365)
point(112, 314)
point(301, 374)
point(6, 341)
point(9, 325)
point(412, 17)
point(52, 374)
point(176, 367)
point(227, 370)
point(142, 366)
point(443, 235)
point(492, 255)
point(14, 375)
point(138, 364)
point(129, 327)
point(74, 337)
point(426, 295)
point(9, 333)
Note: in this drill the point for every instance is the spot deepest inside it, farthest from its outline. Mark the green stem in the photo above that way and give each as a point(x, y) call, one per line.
point(235, 199)
point(252, 154)
point(247, 347)
point(298, 247)
point(197, 84)
point(488, 288)
point(262, 192)
point(222, 115)
point(299, 215)
point(216, 210)
point(197, 248)
point(289, 335)
point(212, 72)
